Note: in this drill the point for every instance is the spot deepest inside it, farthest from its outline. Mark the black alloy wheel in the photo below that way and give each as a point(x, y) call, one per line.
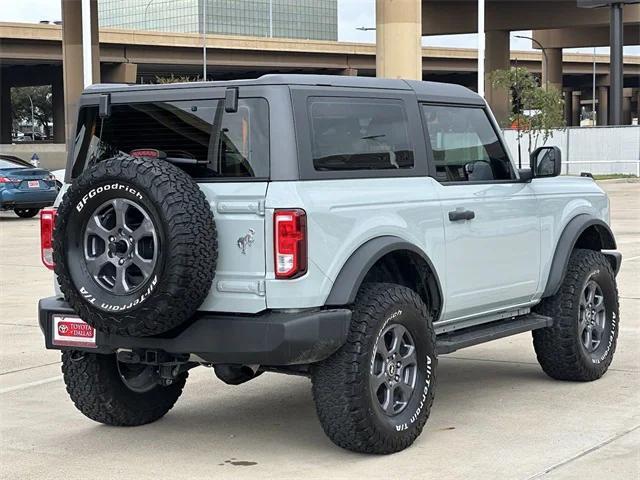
point(120, 246)
point(394, 370)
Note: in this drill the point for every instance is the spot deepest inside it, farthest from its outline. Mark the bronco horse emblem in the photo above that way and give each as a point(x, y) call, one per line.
point(246, 241)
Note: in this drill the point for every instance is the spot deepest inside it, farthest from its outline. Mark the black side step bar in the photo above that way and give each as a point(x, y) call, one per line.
point(467, 337)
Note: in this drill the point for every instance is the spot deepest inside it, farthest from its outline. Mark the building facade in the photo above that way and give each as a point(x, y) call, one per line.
point(304, 19)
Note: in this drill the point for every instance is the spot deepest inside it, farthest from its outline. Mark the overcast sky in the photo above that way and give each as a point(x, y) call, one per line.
point(351, 14)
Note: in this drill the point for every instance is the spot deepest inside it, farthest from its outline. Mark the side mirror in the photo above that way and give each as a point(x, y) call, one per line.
point(546, 162)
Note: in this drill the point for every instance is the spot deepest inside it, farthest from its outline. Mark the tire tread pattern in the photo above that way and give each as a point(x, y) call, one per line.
point(339, 383)
point(557, 347)
point(95, 387)
point(192, 246)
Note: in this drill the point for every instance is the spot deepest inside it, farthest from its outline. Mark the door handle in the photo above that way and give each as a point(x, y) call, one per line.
point(461, 214)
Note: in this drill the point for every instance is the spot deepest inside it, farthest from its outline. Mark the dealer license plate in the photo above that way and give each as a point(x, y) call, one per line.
point(71, 331)
point(33, 184)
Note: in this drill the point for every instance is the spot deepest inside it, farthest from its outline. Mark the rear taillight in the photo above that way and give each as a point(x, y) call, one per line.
point(145, 152)
point(7, 180)
point(290, 243)
point(47, 223)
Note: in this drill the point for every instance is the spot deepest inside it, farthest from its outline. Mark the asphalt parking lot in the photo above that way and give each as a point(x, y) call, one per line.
point(496, 415)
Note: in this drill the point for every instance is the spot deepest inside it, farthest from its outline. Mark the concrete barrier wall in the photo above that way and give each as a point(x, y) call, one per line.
point(599, 150)
point(53, 156)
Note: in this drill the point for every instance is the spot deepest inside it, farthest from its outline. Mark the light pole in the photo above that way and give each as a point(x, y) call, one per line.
point(270, 18)
point(482, 43)
point(204, 40)
point(146, 23)
point(33, 123)
point(593, 91)
point(544, 53)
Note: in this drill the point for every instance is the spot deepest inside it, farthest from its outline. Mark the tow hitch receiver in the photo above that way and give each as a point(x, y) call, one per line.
point(169, 365)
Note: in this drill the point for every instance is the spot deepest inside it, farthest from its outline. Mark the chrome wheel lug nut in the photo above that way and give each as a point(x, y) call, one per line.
point(112, 239)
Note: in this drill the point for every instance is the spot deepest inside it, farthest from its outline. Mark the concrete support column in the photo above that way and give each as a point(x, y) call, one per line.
point(73, 59)
point(603, 105)
point(399, 39)
point(552, 68)
point(57, 93)
point(5, 109)
point(616, 42)
point(120, 73)
point(497, 58)
point(567, 97)
point(575, 108)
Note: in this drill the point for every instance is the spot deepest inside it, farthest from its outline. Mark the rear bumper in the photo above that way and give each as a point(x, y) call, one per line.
point(14, 198)
point(270, 338)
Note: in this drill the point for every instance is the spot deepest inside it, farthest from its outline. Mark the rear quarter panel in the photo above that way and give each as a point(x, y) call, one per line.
point(344, 214)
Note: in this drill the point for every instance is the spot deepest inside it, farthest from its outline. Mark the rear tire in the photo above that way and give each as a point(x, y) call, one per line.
point(26, 212)
point(366, 402)
point(97, 389)
point(581, 343)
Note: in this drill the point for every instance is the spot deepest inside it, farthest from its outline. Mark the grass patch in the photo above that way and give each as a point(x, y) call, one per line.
point(614, 176)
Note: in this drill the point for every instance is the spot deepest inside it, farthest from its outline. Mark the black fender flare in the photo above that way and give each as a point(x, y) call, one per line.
point(567, 242)
point(353, 272)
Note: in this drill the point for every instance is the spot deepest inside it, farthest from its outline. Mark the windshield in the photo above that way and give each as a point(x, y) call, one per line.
point(198, 136)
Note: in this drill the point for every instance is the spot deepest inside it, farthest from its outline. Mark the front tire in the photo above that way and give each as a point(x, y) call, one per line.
point(26, 212)
point(581, 343)
point(96, 386)
point(374, 395)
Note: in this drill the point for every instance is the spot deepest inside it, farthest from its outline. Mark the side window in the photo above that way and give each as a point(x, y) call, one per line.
point(465, 145)
point(359, 134)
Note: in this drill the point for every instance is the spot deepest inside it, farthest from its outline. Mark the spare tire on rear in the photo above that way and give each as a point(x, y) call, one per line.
point(135, 246)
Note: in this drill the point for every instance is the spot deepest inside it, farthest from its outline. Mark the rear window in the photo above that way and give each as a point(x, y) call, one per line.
point(4, 164)
point(197, 136)
point(359, 134)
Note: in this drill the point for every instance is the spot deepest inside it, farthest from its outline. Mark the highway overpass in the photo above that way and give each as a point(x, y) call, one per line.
point(32, 54)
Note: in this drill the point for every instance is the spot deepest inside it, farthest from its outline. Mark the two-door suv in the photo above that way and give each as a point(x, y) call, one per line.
point(346, 229)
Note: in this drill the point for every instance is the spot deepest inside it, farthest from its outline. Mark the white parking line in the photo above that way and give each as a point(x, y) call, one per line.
point(630, 259)
point(22, 386)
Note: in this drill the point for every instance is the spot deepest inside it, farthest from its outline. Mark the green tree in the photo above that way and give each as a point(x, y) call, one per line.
point(42, 106)
point(176, 79)
point(536, 111)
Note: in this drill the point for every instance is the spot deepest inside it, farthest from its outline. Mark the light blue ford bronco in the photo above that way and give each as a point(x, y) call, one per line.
point(350, 230)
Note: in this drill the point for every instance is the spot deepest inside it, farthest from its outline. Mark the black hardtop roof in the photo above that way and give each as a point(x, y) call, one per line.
point(427, 90)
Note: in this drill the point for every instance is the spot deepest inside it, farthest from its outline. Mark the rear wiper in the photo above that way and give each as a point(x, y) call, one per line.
point(186, 161)
point(373, 137)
